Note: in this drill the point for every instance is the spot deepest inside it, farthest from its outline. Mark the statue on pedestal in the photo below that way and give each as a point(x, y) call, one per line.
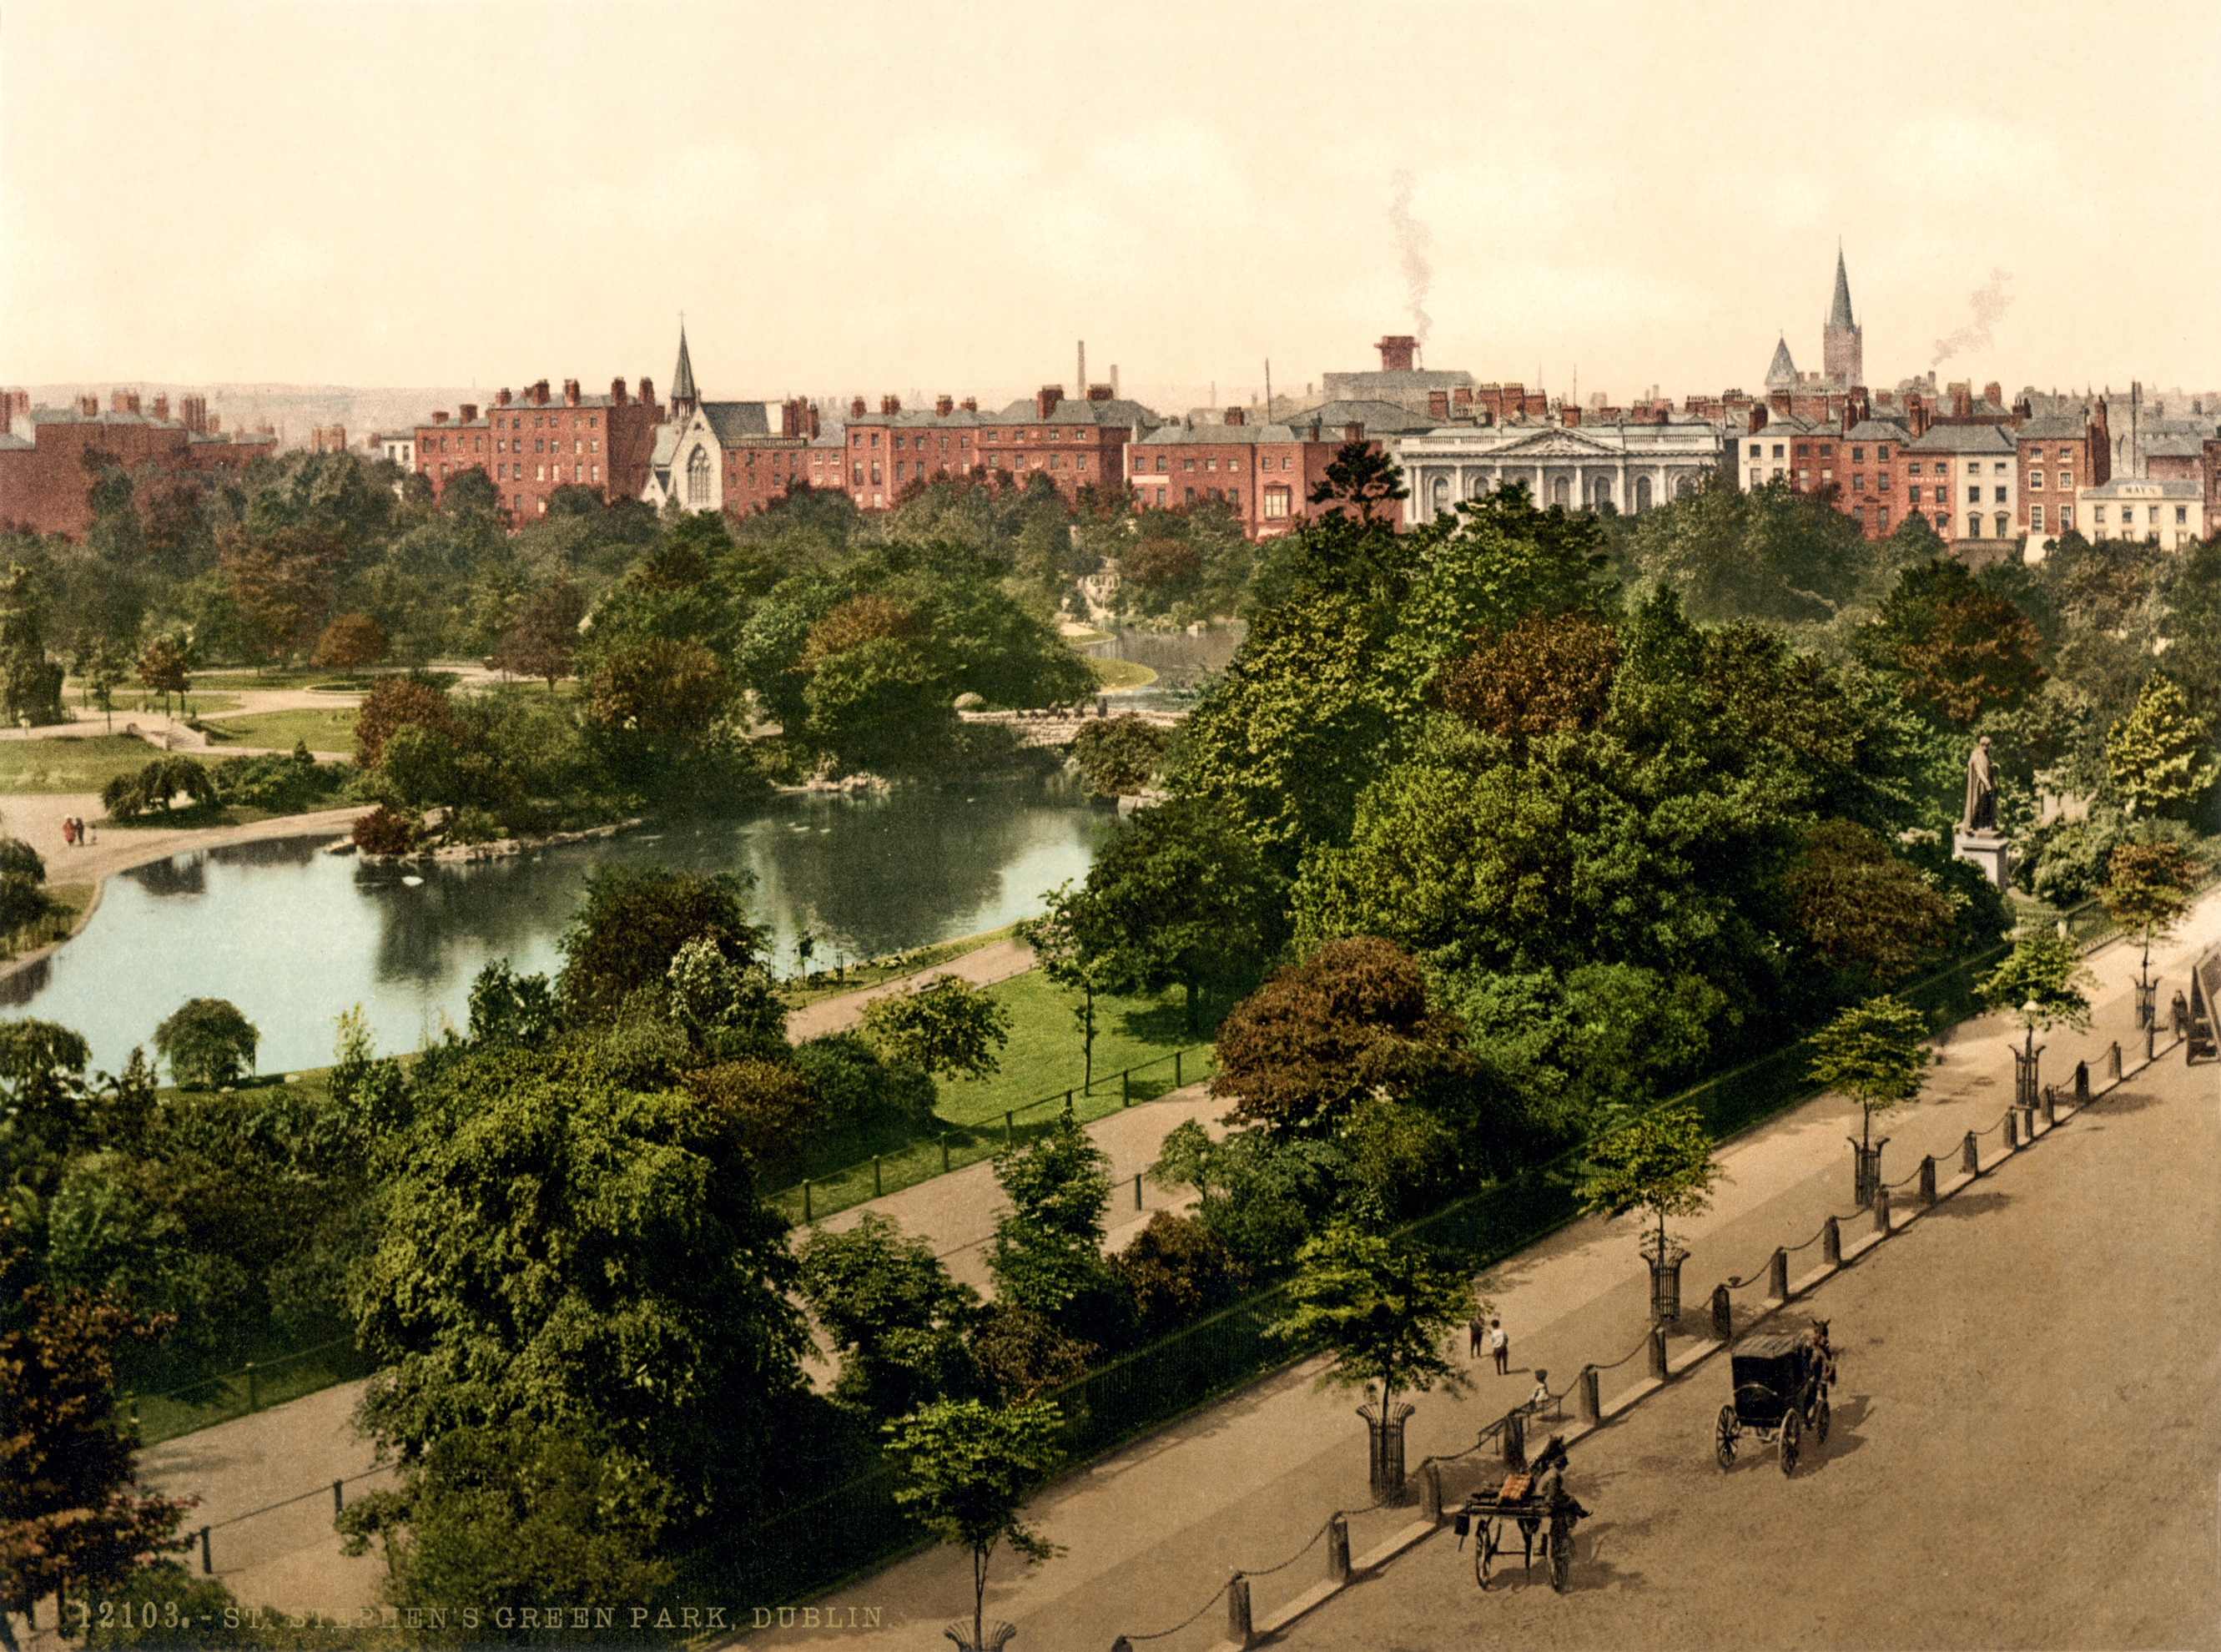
point(1977, 839)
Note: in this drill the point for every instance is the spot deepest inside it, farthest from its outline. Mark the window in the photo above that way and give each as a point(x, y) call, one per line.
point(1882, 515)
point(1804, 450)
point(592, 423)
point(1914, 469)
point(2000, 498)
point(1826, 450)
point(898, 470)
point(1912, 496)
point(2036, 517)
point(1754, 451)
point(1827, 475)
point(2066, 517)
point(1858, 481)
point(1858, 455)
point(875, 438)
point(1210, 464)
point(1234, 497)
point(1778, 452)
point(1190, 495)
point(2066, 453)
point(1276, 502)
point(2181, 515)
point(597, 474)
point(2098, 515)
point(1187, 464)
point(1974, 467)
point(1803, 478)
point(1975, 494)
point(2001, 468)
point(2036, 479)
point(875, 471)
point(539, 444)
point(1161, 497)
point(1161, 469)
point(859, 476)
point(1284, 461)
point(2151, 516)
point(2003, 527)
point(2066, 480)
point(1973, 528)
point(1881, 456)
point(1140, 461)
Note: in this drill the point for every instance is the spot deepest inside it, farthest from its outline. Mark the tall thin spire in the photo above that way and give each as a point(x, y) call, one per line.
point(1840, 314)
point(682, 376)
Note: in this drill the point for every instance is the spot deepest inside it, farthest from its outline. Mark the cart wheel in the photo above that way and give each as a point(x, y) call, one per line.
point(1483, 1552)
point(1821, 1427)
point(1724, 1446)
point(1793, 1429)
point(1561, 1559)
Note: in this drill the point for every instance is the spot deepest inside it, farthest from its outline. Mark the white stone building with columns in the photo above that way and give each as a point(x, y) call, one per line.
point(1631, 467)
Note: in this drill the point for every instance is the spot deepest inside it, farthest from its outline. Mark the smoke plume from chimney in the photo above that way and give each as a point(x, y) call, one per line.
point(1989, 306)
point(1413, 241)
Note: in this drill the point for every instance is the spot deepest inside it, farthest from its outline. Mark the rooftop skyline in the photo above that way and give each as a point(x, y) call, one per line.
point(844, 201)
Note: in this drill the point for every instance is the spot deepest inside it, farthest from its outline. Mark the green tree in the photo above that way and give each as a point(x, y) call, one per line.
point(1862, 908)
point(553, 1247)
point(670, 686)
point(206, 1043)
point(1350, 1022)
point(1362, 474)
point(69, 1518)
point(1383, 1309)
point(104, 675)
point(1177, 1269)
point(1047, 1254)
point(1070, 949)
point(1661, 1164)
point(971, 1467)
point(282, 581)
point(1956, 647)
point(30, 684)
point(631, 925)
point(1183, 900)
point(1119, 756)
point(948, 1027)
point(2040, 984)
point(22, 877)
point(542, 638)
point(394, 701)
point(2148, 888)
point(2160, 757)
point(1876, 1054)
point(890, 1308)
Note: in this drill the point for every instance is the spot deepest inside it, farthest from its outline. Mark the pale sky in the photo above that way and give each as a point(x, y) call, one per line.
point(929, 197)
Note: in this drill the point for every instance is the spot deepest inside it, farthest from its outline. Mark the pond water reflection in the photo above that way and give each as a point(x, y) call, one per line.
point(295, 937)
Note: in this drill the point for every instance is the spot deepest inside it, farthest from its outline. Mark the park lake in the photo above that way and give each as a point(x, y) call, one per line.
point(295, 937)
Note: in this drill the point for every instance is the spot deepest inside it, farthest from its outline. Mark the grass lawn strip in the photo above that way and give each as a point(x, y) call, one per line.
point(820, 984)
point(321, 731)
point(1120, 673)
point(69, 902)
point(73, 764)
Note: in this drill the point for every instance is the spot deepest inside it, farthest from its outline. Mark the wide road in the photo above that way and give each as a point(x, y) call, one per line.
point(2026, 1447)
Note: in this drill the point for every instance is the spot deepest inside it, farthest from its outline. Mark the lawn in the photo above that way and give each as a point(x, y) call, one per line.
point(68, 902)
point(324, 731)
point(855, 978)
point(1120, 673)
point(141, 699)
point(1142, 1049)
point(74, 764)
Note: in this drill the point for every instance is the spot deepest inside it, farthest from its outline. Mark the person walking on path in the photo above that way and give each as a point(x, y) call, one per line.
point(69, 832)
point(1499, 1345)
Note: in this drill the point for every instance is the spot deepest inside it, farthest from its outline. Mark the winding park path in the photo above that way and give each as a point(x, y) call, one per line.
point(2020, 1344)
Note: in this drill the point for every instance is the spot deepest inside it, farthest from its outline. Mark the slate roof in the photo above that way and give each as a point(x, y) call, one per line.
point(1380, 418)
point(2145, 487)
point(1073, 410)
point(2056, 428)
point(1782, 372)
point(731, 422)
point(1876, 430)
point(1225, 436)
point(1963, 439)
point(1407, 380)
point(9, 443)
point(2175, 448)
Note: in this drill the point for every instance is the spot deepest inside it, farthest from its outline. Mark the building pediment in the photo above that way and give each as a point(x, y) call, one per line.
point(1558, 444)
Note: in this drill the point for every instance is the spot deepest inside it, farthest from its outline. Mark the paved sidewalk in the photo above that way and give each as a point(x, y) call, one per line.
point(999, 960)
point(1155, 1530)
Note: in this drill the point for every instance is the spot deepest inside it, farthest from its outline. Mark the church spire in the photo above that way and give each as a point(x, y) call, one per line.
point(1840, 314)
point(685, 398)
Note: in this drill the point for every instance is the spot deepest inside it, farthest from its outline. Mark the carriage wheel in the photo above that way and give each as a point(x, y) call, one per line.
point(1792, 1428)
point(1821, 1427)
point(1483, 1552)
point(1724, 1445)
point(1561, 1559)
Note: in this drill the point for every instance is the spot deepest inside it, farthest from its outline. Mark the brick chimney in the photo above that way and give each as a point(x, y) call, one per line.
point(501, 398)
point(1777, 400)
point(1353, 432)
point(1917, 406)
point(1757, 417)
point(970, 405)
point(1461, 399)
point(1569, 414)
point(617, 392)
point(470, 412)
point(162, 407)
point(1438, 404)
point(1102, 393)
point(1963, 403)
point(1045, 398)
point(1236, 416)
point(1397, 350)
point(647, 391)
point(89, 406)
point(890, 405)
point(441, 417)
point(944, 405)
point(539, 394)
point(1994, 393)
point(856, 407)
point(570, 392)
point(810, 410)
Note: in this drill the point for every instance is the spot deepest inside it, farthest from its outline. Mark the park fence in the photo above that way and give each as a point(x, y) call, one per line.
point(857, 1525)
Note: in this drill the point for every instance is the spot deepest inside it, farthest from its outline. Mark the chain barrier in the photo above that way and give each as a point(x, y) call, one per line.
point(321, 1490)
point(1325, 1526)
point(1176, 1628)
point(1808, 1244)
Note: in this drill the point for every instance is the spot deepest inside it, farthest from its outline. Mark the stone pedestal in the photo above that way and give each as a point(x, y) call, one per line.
point(1992, 851)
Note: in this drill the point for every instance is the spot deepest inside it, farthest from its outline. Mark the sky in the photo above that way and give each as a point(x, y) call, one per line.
point(912, 199)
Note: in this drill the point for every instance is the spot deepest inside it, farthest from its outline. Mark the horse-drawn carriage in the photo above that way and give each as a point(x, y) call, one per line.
point(1780, 1390)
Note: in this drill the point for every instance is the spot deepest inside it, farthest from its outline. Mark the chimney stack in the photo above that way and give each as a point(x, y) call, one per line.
point(617, 392)
point(501, 398)
point(1353, 432)
point(441, 417)
point(856, 407)
point(1994, 393)
point(1963, 403)
point(89, 406)
point(1045, 398)
point(1101, 393)
point(890, 405)
point(1395, 352)
point(1236, 416)
point(1917, 405)
point(1757, 417)
point(162, 407)
point(1438, 404)
point(647, 391)
point(944, 405)
point(970, 405)
point(470, 412)
point(1082, 379)
point(540, 393)
point(570, 392)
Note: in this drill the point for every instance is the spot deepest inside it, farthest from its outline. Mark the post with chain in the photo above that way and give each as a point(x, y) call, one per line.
point(1831, 1242)
point(1881, 1211)
point(1591, 1407)
point(208, 1568)
point(1137, 1190)
point(1431, 1492)
point(2081, 1084)
point(1927, 1180)
point(1777, 1275)
point(1970, 1156)
point(1337, 1550)
point(339, 1498)
point(1723, 1314)
point(1658, 1351)
point(1238, 1630)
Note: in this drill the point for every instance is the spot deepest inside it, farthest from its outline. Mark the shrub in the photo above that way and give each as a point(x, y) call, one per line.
point(1177, 1269)
point(1021, 1354)
point(765, 1107)
point(207, 1041)
point(382, 831)
point(393, 701)
point(856, 1088)
point(130, 795)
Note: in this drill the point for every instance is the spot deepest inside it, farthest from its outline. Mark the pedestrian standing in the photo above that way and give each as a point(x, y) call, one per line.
point(1500, 1345)
point(69, 833)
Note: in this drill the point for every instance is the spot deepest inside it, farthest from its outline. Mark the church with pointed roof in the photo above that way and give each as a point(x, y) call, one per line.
point(734, 457)
point(1843, 347)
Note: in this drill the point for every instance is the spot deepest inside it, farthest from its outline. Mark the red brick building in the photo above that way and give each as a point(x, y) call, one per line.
point(1075, 443)
point(1264, 473)
point(532, 444)
point(2058, 455)
point(886, 451)
point(44, 485)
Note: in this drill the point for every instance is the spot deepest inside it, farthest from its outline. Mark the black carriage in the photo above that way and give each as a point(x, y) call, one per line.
point(1780, 1391)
